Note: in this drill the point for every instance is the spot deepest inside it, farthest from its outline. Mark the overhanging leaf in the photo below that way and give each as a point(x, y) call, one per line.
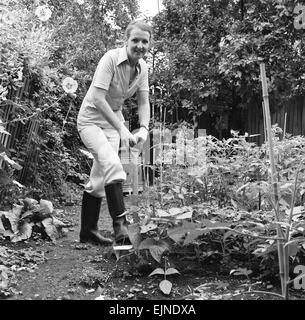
point(156, 248)
point(165, 286)
point(148, 227)
point(46, 205)
point(296, 210)
point(147, 243)
point(157, 251)
point(175, 211)
point(228, 234)
point(157, 271)
point(265, 249)
point(194, 234)
point(25, 232)
point(29, 204)
point(13, 216)
point(170, 271)
point(50, 228)
point(186, 215)
point(162, 214)
point(190, 225)
point(178, 233)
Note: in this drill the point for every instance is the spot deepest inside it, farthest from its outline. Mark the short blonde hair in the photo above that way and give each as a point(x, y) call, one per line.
point(140, 25)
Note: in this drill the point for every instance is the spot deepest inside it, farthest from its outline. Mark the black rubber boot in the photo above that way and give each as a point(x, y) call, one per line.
point(115, 201)
point(89, 218)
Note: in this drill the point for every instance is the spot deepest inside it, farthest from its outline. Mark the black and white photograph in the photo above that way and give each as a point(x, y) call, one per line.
point(152, 153)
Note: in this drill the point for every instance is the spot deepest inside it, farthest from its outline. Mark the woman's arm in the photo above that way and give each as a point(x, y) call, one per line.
point(144, 116)
point(143, 108)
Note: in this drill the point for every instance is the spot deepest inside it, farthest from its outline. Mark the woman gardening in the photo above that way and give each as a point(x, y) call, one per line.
point(120, 74)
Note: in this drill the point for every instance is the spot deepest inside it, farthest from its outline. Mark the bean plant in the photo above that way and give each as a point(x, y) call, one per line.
point(222, 204)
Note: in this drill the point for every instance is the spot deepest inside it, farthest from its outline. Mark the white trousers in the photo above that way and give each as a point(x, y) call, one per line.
point(103, 143)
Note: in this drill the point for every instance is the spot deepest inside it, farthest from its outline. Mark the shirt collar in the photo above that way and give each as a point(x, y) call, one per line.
point(124, 57)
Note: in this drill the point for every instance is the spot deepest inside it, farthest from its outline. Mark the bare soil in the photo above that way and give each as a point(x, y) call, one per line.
point(75, 271)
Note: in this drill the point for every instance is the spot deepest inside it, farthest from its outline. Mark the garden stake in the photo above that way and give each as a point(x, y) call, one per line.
point(285, 122)
point(282, 253)
point(264, 122)
point(161, 157)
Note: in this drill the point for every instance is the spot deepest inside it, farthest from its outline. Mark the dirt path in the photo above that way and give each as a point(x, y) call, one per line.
point(74, 271)
point(63, 274)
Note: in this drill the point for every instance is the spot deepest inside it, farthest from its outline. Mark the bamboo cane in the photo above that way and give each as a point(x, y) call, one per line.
point(264, 122)
point(285, 123)
point(161, 156)
point(280, 245)
point(153, 125)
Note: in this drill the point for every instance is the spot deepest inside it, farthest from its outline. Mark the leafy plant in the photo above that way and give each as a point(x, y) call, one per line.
point(165, 285)
point(19, 223)
point(224, 209)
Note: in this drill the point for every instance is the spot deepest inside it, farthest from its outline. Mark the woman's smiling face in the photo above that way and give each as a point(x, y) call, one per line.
point(137, 44)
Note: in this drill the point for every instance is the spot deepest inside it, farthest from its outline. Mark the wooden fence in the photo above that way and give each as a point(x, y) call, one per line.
point(295, 118)
point(7, 112)
point(18, 129)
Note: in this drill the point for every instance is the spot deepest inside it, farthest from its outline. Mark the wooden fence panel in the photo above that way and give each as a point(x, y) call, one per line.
point(295, 122)
point(7, 115)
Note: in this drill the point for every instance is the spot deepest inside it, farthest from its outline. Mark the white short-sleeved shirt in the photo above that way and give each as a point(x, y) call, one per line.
point(112, 74)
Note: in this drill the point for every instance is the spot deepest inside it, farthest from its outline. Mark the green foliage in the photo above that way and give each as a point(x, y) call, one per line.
point(85, 32)
point(207, 53)
point(19, 223)
point(222, 204)
point(44, 53)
